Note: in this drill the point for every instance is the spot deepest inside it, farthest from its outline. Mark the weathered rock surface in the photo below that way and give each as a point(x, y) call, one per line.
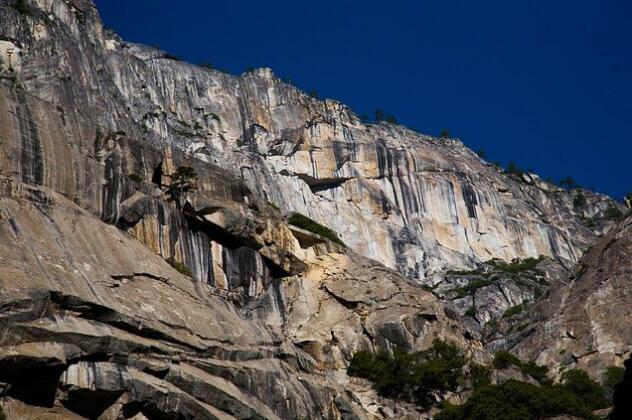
point(118, 300)
point(412, 202)
point(586, 322)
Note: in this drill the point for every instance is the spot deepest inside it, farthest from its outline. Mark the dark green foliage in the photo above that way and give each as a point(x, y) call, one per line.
point(313, 94)
point(514, 400)
point(613, 213)
point(612, 377)
point(463, 272)
point(379, 115)
point(514, 310)
point(80, 17)
point(171, 57)
point(513, 169)
point(22, 7)
point(390, 118)
point(416, 377)
point(479, 375)
point(306, 223)
point(568, 183)
point(517, 266)
point(496, 267)
point(621, 398)
point(579, 383)
point(472, 286)
point(471, 311)
point(579, 201)
point(135, 177)
point(207, 65)
point(481, 154)
point(182, 181)
point(181, 268)
point(445, 134)
point(503, 359)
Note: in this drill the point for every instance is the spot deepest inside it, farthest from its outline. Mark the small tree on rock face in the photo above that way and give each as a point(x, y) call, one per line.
point(445, 134)
point(182, 181)
point(379, 115)
point(579, 201)
point(568, 183)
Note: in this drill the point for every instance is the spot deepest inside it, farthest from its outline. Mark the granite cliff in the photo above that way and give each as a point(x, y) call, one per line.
point(121, 298)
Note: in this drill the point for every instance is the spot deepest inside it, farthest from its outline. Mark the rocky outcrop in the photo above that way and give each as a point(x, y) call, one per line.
point(413, 202)
point(129, 293)
point(584, 321)
point(95, 322)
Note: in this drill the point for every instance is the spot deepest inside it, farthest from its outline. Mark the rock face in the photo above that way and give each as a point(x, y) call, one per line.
point(412, 202)
point(128, 293)
point(586, 321)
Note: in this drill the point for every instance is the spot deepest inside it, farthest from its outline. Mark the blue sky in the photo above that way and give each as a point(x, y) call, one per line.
point(547, 84)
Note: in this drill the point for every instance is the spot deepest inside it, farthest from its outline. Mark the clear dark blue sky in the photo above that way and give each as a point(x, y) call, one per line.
point(545, 83)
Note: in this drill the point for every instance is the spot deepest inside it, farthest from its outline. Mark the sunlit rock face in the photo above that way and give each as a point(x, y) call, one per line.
point(123, 296)
point(413, 202)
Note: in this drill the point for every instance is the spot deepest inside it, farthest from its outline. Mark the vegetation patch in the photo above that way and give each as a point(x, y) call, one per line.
point(515, 400)
point(181, 268)
point(183, 180)
point(422, 377)
point(579, 201)
point(135, 177)
point(417, 377)
point(304, 222)
point(517, 266)
point(22, 8)
point(515, 310)
point(503, 360)
point(614, 214)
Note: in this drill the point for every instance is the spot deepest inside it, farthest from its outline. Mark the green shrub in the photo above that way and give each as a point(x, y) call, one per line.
point(417, 376)
point(304, 222)
point(613, 213)
point(537, 372)
point(517, 266)
point(445, 134)
point(472, 286)
point(568, 183)
point(181, 268)
point(471, 311)
point(515, 310)
point(513, 169)
point(579, 201)
point(503, 359)
point(514, 400)
point(135, 177)
point(579, 383)
point(22, 7)
point(479, 375)
point(182, 181)
point(390, 118)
